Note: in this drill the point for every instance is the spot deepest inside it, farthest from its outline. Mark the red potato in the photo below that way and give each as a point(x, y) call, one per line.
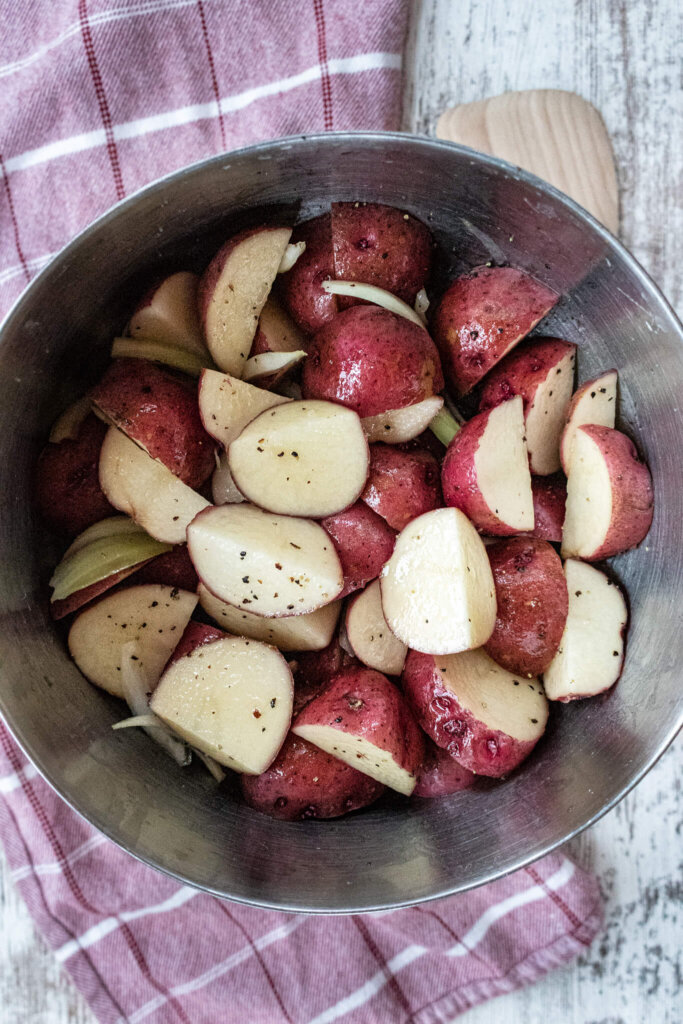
point(549, 495)
point(437, 587)
point(398, 426)
point(484, 314)
point(271, 565)
point(485, 717)
point(241, 725)
point(362, 719)
point(591, 653)
point(372, 360)
point(167, 313)
point(152, 616)
point(227, 405)
point(485, 471)
point(363, 541)
point(531, 598)
point(315, 669)
point(594, 402)
point(68, 424)
point(276, 330)
point(541, 370)
point(368, 633)
point(382, 246)
point(610, 500)
point(67, 487)
point(196, 634)
point(174, 569)
point(440, 774)
point(146, 490)
point(402, 484)
point(309, 306)
point(305, 782)
point(233, 291)
point(160, 413)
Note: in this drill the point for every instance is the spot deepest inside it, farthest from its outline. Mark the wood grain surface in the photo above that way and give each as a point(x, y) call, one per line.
point(625, 57)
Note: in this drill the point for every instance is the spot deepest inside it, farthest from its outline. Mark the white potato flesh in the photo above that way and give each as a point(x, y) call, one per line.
point(270, 565)
point(501, 464)
point(171, 315)
point(239, 295)
point(513, 704)
point(545, 417)
point(146, 490)
point(437, 588)
point(360, 754)
point(271, 366)
point(398, 425)
point(588, 513)
point(306, 458)
point(223, 488)
point(151, 615)
point(291, 255)
point(591, 653)
point(68, 424)
point(278, 329)
point(595, 402)
point(227, 404)
point(312, 632)
point(368, 633)
point(231, 699)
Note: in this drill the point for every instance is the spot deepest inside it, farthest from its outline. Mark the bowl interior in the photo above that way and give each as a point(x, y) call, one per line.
point(55, 344)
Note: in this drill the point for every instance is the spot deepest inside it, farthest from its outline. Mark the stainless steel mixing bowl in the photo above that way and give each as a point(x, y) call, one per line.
point(55, 343)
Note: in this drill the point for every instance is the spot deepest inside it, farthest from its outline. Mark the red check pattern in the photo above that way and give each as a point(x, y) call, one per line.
point(100, 97)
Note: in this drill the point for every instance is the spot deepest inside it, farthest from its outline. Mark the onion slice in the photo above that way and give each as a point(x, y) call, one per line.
point(371, 293)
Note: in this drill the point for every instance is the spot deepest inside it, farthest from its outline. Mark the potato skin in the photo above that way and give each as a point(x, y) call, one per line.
point(364, 542)
point(402, 484)
point(481, 316)
point(633, 501)
point(380, 245)
point(316, 668)
point(160, 412)
point(531, 595)
point(173, 569)
point(308, 305)
point(473, 744)
point(305, 782)
point(521, 372)
point(362, 702)
point(196, 634)
point(440, 774)
point(550, 497)
point(67, 482)
point(372, 360)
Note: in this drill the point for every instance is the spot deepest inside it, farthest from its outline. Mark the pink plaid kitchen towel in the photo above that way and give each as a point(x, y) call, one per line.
point(98, 97)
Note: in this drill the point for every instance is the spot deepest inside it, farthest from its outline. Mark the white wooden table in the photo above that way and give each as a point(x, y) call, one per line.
point(624, 56)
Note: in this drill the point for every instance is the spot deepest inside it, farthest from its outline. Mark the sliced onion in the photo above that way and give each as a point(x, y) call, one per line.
point(422, 305)
point(149, 721)
point(135, 686)
point(213, 766)
point(371, 293)
point(160, 352)
point(290, 256)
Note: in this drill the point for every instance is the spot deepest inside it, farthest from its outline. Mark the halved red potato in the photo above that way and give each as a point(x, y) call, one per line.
point(276, 331)
point(68, 424)
point(267, 369)
point(591, 652)
point(233, 291)
point(196, 634)
point(372, 360)
point(315, 669)
point(363, 541)
point(531, 598)
point(437, 588)
point(610, 501)
point(380, 245)
point(361, 719)
point(541, 370)
point(306, 458)
point(271, 565)
point(396, 426)
point(440, 774)
point(311, 632)
point(484, 314)
point(152, 616)
point(485, 471)
point(549, 495)
point(223, 488)
point(368, 633)
point(305, 782)
point(241, 725)
point(594, 402)
point(67, 486)
point(174, 569)
point(160, 413)
point(227, 405)
point(167, 313)
point(302, 293)
point(146, 490)
point(487, 718)
point(402, 484)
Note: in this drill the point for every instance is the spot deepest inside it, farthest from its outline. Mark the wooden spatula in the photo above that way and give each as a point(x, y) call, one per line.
point(555, 134)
